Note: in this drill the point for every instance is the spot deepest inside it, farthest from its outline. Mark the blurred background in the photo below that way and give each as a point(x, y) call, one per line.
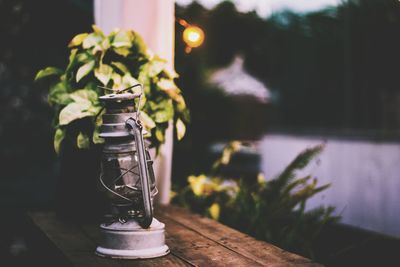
point(279, 75)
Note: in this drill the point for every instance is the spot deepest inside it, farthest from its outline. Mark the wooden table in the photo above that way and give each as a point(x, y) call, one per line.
point(194, 241)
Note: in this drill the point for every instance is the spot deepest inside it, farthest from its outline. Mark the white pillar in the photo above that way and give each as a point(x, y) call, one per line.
point(154, 21)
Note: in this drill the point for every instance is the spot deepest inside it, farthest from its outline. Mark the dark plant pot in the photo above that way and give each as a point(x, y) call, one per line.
point(78, 192)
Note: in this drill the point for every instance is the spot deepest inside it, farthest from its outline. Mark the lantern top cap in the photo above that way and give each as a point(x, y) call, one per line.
point(119, 97)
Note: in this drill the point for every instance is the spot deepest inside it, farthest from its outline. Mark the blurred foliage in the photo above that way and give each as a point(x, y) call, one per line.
point(272, 210)
point(331, 69)
point(331, 72)
point(100, 64)
point(33, 34)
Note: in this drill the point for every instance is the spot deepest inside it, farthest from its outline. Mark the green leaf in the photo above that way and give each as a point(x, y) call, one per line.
point(49, 71)
point(91, 40)
point(165, 114)
point(103, 73)
point(97, 30)
point(82, 57)
point(144, 79)
point(158, 104)
point(105, 44)
point(122, 39)
point(82, 141)
point(72, 57)
point(156, 65)
point(58, 138)
point(166, 84)
point(180, 129)
point(77, 40)
point(58, 94)
point(160, 135)
point(123, 51)
point(147, 120)
point(74, 111)
point(84, 96)
point(139, 44)
point(181, 106)
point(84, 70)
point(120, 66)
point(170, 73)
point(128, 81)
point(117, 81)
point(96, 139)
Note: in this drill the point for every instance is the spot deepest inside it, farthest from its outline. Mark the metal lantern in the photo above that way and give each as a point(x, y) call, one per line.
point(128, 181)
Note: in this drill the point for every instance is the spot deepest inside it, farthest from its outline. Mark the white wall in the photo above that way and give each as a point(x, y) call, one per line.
point(365, 177)
point(154, 20)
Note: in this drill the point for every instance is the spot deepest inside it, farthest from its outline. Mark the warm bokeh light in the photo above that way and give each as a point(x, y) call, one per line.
point(193, 36)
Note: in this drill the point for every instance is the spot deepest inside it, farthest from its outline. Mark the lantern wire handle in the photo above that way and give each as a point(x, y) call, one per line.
point(140, 100)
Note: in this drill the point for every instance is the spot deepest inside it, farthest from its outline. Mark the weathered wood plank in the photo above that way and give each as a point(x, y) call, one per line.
point(191, 248)
point(79, 245)
point(68, 239)
point(194, 241)
point(260, 252)
point(200, 250)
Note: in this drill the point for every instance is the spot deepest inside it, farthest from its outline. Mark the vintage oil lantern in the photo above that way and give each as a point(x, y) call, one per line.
point(128, 181)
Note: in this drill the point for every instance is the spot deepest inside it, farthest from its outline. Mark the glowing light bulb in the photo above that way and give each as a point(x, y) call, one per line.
point(193, 36)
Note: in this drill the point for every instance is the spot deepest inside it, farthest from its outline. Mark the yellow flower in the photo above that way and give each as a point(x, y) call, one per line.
point(261, 178)
point(214, 211)
point(197, 184)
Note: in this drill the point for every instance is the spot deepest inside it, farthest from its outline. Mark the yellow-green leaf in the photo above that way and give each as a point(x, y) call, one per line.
point(105, 44)
point(58, 138)
point(74, 111)
point(77, 40)
point(58, 94)
point(96, 137)
point(117, 81)
point(156, 65)
point(170, 72)
point(103, 73)
point(82, 141)
point(82, 57)
point(71, 61)
point(84, 70)
point(166, 84)
point(160, 135)
point(165, 114)
point(91, 40)
point(120, 66)
point(180, 129)
point(122, 39)
point(97, 30)
point(128, 81)
point(47, 72)
point(123, 51)
point(84, 96)
point(181, 106)
point(139, 45)
point(147, 121)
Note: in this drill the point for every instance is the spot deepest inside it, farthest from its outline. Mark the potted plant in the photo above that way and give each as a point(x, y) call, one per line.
point(96, 62)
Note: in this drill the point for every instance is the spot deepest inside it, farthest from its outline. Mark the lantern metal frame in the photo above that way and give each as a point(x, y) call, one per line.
point(127, 178)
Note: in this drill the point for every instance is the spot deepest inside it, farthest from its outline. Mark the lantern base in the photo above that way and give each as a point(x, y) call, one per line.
point(130, 241)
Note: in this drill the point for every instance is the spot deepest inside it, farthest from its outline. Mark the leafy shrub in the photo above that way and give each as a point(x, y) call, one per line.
point(117, 61)
point(272, 210)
